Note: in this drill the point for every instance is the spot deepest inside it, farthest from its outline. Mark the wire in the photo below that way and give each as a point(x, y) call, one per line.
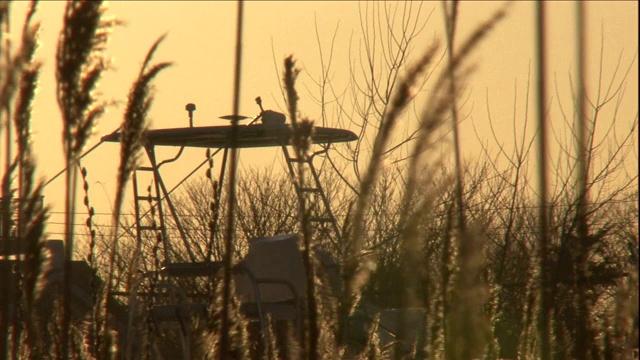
point(81, 156)
point(477, 205)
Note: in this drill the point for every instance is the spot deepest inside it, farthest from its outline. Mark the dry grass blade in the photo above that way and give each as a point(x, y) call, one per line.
point(228, 258)
point(354, 274)
point(79, 66)
point(7, 86)
point(516, 284)
point(469, 296)
point(132, 132)
point(301, 142)
point(20, 75)
point(134, 123)
point(4, 14)
point(544, 311)
point(584, 339)
point(289, 79)
point(31, 215)
point(480, 32)
point(451, 17)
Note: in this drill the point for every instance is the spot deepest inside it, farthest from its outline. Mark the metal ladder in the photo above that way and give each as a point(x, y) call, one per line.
point(148, 205)
point(150, 202)
point(321, 218)
point(149, 193)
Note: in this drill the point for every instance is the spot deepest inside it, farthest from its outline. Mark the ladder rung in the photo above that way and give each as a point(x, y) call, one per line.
point(297, 160)
point(147, 198)
point(148, 227)
point(192, 269)
point(145, 168)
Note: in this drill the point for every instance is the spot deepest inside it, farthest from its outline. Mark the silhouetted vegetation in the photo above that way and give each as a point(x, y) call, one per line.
point(474, 260)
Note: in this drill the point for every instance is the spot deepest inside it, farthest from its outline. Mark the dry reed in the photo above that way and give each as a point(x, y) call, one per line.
point(459, 269)
point(79, 66)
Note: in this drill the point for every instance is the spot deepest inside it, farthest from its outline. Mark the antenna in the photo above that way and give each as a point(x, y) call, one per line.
point(190, 108)
point(259, 102)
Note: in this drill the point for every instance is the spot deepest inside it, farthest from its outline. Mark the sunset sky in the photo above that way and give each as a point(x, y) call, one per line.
point(201, 41)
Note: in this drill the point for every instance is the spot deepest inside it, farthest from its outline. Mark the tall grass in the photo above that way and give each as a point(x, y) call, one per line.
point(79, 67)
point(226, 324)
point(301, 142)
point(544, 316)
point(132, 131)
point(80, 63)
point(455, 243)
point(20, 73)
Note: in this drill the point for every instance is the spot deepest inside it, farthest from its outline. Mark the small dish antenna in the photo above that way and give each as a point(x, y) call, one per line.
point(234, 117)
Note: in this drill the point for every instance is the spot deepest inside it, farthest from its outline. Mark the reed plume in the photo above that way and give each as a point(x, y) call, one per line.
point(80, 63)
point(135, 123)
point(20, 73)
point(300, 141)
point(131, 142)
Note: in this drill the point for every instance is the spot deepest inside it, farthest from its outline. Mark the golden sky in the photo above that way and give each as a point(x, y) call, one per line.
point(201, 40)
